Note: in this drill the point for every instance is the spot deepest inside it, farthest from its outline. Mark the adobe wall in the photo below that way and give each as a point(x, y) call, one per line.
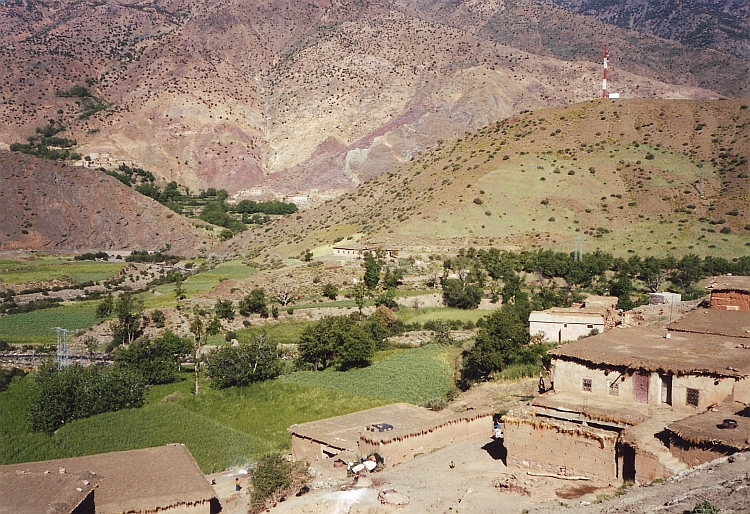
point(571, 332)
point(568, 378)
point(406, 447)
point(712, 390)
point(742, 390)
point(694, 454)
point(578, 451)
point(307, 449)
point(648, 467)
point(200, 508)
point(726, 299)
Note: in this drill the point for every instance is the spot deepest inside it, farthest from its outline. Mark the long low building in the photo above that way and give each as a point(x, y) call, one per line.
point(398, 432)
point(164, 479)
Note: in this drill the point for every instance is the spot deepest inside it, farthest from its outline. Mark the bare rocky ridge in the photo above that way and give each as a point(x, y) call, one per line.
point(49, 206)
point(322, 94)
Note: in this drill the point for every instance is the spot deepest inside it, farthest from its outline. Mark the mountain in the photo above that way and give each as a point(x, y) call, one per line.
point(723, 25)
point(50, 206)
point(320, 95)
point(652, 177)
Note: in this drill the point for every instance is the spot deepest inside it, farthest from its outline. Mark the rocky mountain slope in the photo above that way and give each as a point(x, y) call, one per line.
point(50, 206)
point(322, 94)
point(627, 176)
point(723, 25)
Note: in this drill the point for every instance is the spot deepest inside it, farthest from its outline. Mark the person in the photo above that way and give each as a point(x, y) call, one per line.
point(213, 481)
point(237, 485)
point(542, 388)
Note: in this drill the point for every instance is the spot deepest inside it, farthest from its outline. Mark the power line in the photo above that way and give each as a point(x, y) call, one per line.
point(63, 352)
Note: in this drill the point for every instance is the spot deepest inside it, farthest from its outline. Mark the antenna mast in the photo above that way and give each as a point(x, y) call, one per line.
point(604, 79)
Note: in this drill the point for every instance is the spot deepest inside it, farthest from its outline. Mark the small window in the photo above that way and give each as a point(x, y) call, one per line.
point(692, 397)
point(614, 389)
point(587, 384)
point(565, 325)
point(589, 326)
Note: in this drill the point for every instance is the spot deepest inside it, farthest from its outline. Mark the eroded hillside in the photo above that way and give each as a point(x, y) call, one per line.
point(50, 206)
point(621, 175)
point(312, 95)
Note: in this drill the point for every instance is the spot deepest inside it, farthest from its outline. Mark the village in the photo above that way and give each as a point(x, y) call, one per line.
point(638, 402)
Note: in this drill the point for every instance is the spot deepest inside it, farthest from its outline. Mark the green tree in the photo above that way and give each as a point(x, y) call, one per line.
point(275, 477)
point(502, 335)
point(105, 307)
point(224, 309)
point(458, 294)
point(330, 291)
point(372, 271)
point(127, 326)
point(157, 316)
point(75, 392)
point(157, 360)
point(213, 327)
point(335, 340)
point(241, 365)
point(254, 303)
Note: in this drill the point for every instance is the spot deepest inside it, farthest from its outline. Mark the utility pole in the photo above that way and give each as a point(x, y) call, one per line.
point(63, 353)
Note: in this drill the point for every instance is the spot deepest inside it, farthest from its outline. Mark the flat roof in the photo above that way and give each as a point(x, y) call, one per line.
point(730, 283)
point(714, 321)
point(343, 432)
point(44, 493)
point(594, 299)
point(704, 427)
point(582, 318)
point(683, 353)
point(130, 481)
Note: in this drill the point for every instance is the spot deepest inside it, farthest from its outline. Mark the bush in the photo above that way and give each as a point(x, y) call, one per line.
point(725, 230)
point(241, 365)
point(330, 291)
point(76, 392)
point(705, 507)
point(274, 478)
point(7, 375)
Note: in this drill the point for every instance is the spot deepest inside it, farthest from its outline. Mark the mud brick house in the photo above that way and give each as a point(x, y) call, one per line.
point(164, 479)
point(410, 431)
point(614, 393)
point(561, 325)
point(730, 293)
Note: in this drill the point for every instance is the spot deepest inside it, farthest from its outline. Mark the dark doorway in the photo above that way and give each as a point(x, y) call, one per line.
point(666, 389)
point(640, 384)
point(628, 463)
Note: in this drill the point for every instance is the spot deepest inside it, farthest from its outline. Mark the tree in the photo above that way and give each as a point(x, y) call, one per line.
point(622, 287)
point(458, 295)
point(275, 477)
point(359, 296)
point(335, 340)
point(214, 326)
point(75, 392)
point(372, 271)
point(157, 360)
point(283, 291)
point(503, 334)
point(105, 307)
point(241, 365)
point(199, 332)
point(330, 291)
point(157, 316)
point(127, 327)
point(224, 309)
point(254, 303)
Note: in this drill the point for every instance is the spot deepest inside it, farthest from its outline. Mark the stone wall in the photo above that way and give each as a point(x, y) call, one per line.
point(730, 300)
point(561, 446)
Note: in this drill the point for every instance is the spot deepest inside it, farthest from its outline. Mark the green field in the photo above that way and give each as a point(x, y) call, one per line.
point(55, 268)
point(414, 376)
point(233, 426)
point(36, 326)
point(286, 332)
point(424, 314)
point(195, 284)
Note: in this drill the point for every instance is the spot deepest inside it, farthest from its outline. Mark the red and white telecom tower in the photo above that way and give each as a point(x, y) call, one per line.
point(604, 80)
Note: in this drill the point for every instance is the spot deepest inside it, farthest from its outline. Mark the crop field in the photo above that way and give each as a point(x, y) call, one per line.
point(55, 268)
point(36, 326)
point(424, 314)
point(221, 428)
point(285, 332)
point(414, 376)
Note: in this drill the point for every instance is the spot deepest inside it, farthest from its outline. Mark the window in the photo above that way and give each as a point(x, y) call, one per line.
point(614, 388)
point(587, 384)
point(692, 397)
point(589, 326)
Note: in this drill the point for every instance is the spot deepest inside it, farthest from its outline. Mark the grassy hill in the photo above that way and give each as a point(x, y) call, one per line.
point(624, 175)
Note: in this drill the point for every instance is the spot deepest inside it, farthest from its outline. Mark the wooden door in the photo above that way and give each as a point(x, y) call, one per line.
point(666, 389)
point(640, 381)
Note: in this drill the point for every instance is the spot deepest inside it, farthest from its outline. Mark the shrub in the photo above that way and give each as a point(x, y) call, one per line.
point(571, 172)
point(705, 507)
point(274, 478)
point(725, 230)
point(649, 156)
point(478, 201)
